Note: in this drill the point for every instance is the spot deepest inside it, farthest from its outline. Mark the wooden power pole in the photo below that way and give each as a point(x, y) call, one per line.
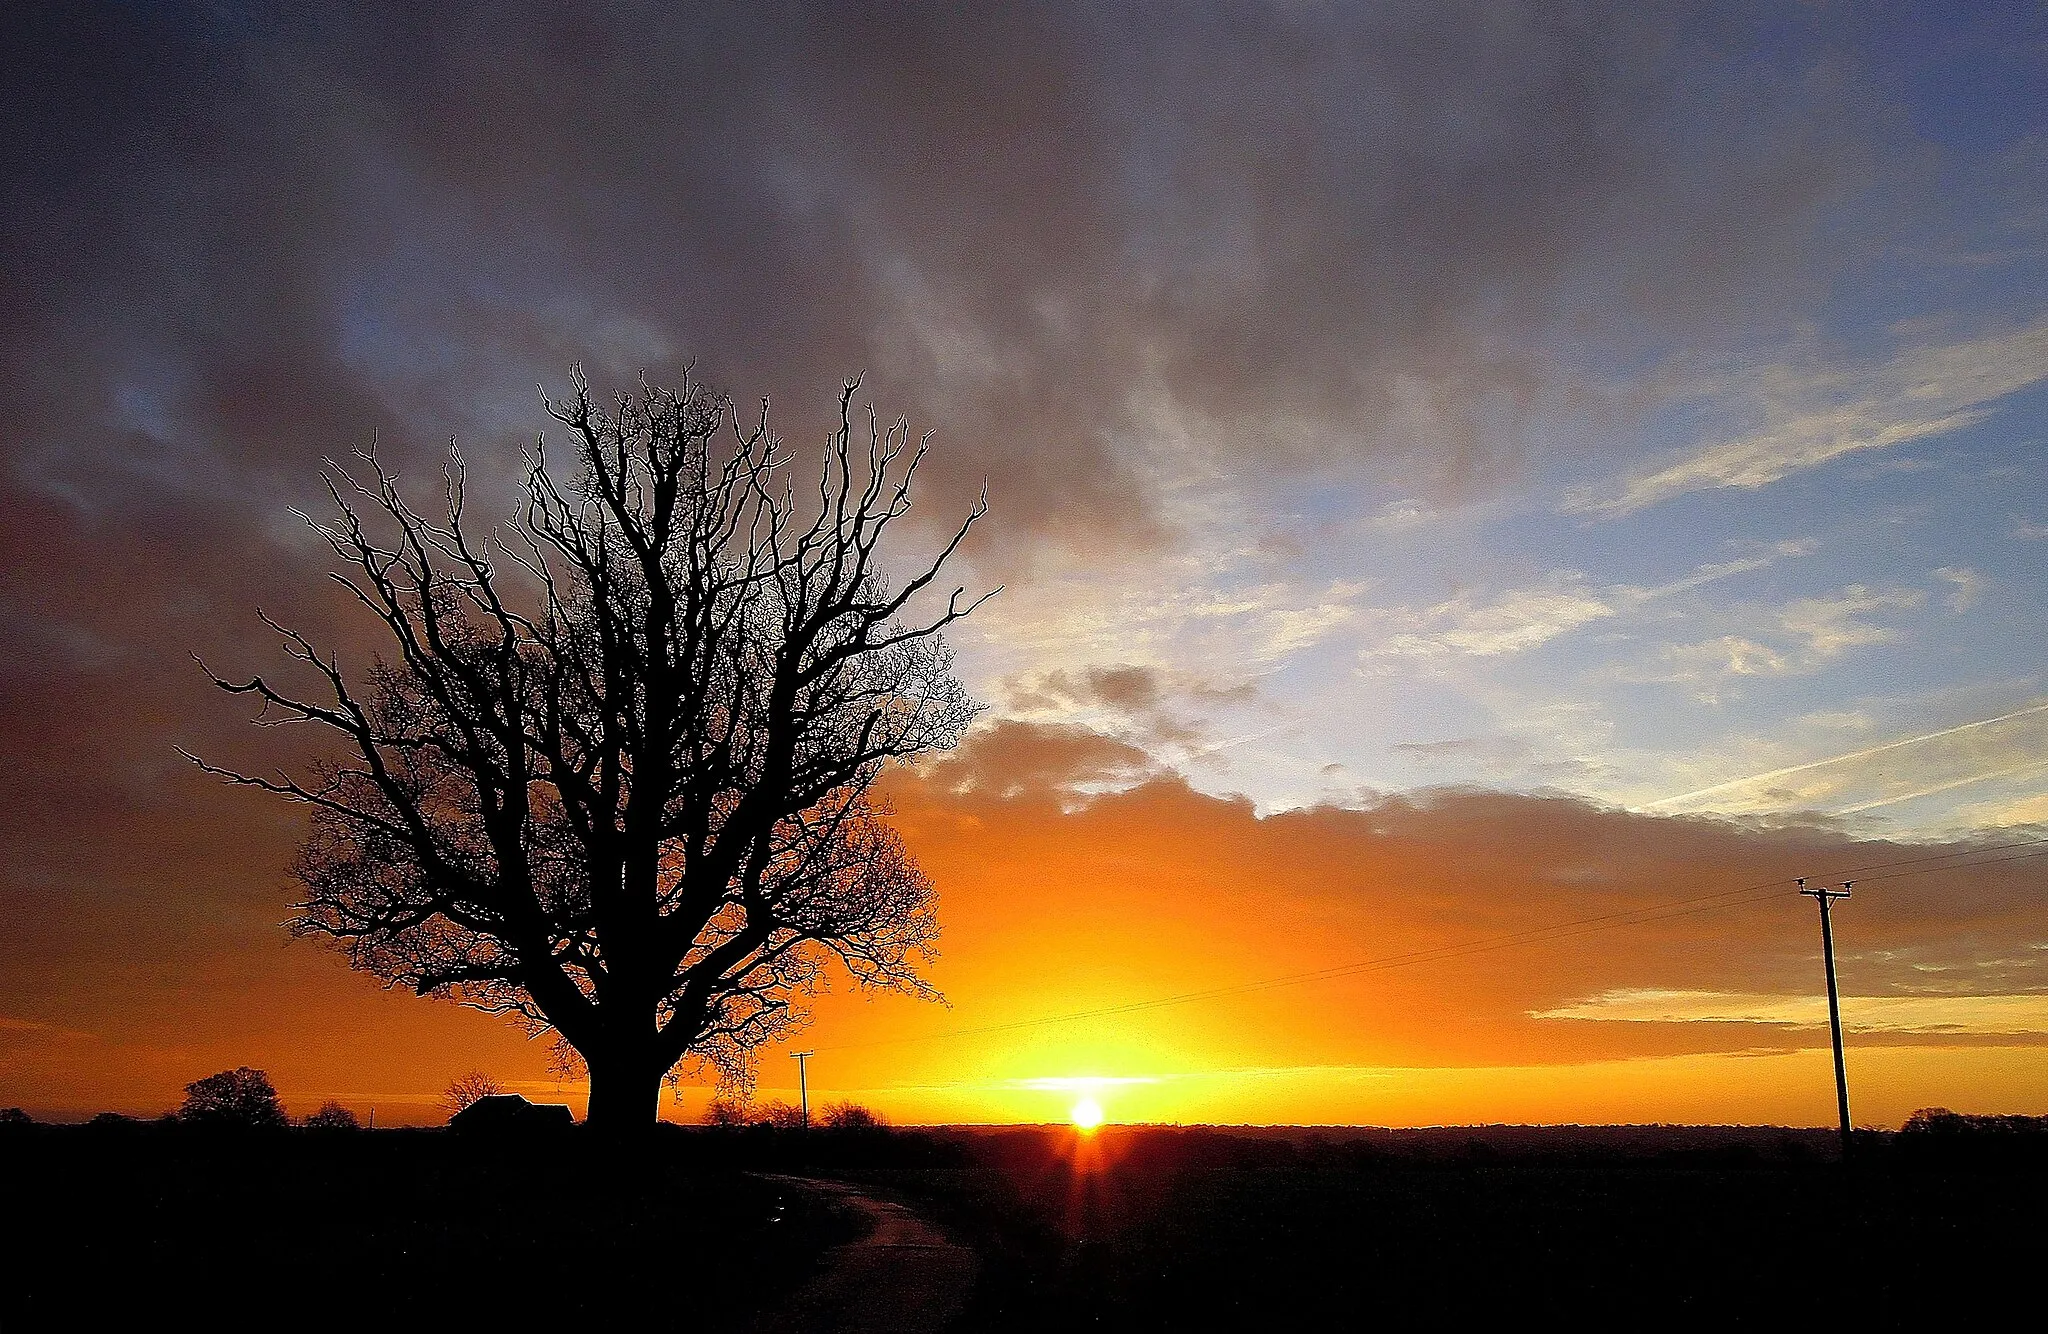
point(1825, 896)
point(803, 1087)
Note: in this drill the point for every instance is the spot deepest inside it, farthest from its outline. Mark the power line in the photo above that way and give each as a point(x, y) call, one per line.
point(1963, 866)
point(1935, 857)
point(1735, 898)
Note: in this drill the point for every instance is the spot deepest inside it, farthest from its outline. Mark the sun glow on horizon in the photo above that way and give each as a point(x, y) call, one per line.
point(1087, 1115)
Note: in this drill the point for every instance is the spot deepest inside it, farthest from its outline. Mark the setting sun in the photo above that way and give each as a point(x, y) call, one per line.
point(1087, 1114)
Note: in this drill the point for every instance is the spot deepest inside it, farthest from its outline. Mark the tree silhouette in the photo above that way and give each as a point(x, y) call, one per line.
point(617, 780)
point(333, 1116)
point(466, 1090)
point(779, 1114)
point(727, 1111)
point(850, 1115)
point(241, 1097)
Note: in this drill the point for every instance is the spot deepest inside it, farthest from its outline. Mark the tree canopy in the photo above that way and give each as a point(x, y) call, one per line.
point(616, 776)
point(241, 1097)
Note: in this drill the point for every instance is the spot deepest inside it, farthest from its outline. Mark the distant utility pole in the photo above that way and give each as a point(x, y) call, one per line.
point(1824, 896)
point(803, 1088)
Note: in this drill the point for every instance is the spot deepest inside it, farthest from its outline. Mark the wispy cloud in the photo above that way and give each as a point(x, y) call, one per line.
point(1794, 639)
point(1967, 587)
point(1182, 610)
point(1401, 516)
point(1517, 620)
point(39, 1031)
point(1514, 621)
point(1810, 416)
point(1829, 626)
point(1988, 1015)
point(1075, 1083)
point(2006, 814)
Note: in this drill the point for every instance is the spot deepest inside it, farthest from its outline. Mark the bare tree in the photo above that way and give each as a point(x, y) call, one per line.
point(849, 1115)
point(618, 778)
point(465, 1090)
point(727, 1111)
point(779, 1114)
point(332, 1116)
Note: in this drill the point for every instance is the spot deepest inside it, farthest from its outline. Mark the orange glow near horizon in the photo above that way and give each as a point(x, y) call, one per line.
point(1055, 904)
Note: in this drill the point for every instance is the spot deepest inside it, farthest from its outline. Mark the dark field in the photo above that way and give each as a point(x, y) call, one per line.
point(1128, 1229)
point(1196, 1229)
point(392, 1229)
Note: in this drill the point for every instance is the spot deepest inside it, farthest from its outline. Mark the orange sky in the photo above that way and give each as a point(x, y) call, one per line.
point(1056, 901)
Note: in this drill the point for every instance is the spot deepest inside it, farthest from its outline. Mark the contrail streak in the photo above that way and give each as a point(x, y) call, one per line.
point(1852, 755)
point(1951, 785)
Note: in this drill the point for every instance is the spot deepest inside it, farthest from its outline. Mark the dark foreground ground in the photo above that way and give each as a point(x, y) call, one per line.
point(1127, 1229)
point(1166, 1229)
point(167, 1227)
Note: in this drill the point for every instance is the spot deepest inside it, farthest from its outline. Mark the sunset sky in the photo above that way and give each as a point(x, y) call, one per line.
point(1456, 472)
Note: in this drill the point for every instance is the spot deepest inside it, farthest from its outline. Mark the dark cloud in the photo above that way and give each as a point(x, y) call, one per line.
point(1012, 759)
point(1132, 689)
point(1323, 232)
point(1123, 687)
point(1151, 705)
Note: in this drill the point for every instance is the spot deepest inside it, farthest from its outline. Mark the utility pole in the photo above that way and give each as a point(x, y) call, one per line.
point(803, 1088)
point(1824, 896)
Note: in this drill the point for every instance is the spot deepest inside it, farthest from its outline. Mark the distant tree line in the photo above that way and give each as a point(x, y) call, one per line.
point(1935, 1122)
point(244, 1099)
point(729, 1113)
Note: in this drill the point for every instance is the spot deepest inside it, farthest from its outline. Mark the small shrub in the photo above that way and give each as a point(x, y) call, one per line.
point(727, 1112)
point(852, 1116)
point(333, 1116)
point(780, 1115)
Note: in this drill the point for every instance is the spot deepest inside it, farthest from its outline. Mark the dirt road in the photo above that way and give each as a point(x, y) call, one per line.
point(904, 1276)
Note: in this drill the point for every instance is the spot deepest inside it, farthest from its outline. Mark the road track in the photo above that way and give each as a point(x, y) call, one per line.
point(902, 1276)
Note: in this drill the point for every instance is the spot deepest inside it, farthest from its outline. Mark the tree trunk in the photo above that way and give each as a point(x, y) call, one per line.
point(625, 1094)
